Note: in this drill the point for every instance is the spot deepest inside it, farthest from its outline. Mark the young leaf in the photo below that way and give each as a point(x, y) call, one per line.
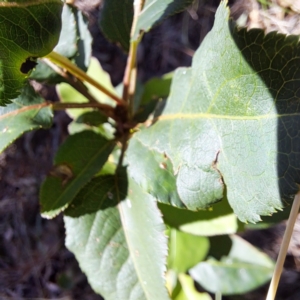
point(185, 250)
point(155, 11)
point(80, 157)
point(121, 249)
point(244, 269)
point(189, 291)
point(157, 88)
point(115, 21)
point(28, 30)
point(25, 113)
point(232, 119)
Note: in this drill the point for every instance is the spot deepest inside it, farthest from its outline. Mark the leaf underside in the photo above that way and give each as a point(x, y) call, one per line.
point(232, 119)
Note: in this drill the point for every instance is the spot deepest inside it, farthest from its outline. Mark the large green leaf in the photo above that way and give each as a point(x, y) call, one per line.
point(75, 43)
point(244, 269)
point(78, 159)
point(155, 11)
point(28, 29)
point(25, 113)
point(233, 118)
point(122, 248)
point(115, 21)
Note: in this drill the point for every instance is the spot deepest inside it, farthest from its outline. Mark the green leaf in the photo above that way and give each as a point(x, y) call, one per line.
point(75, 43)
point(219, 219)
point(28, 30)
point(92, 118)
point(159, 179)
point(185, 250)
point(100, 193)
point(115, 21)
point(78, 159)
point(244, 269)
point(156, 88)
point(121, 249)
point(25, 113)
point(155, 11)
point(189, 290)
point(232, 119)
point(154, 173)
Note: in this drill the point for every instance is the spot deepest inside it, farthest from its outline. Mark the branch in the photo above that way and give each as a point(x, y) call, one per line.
point(73, 81)
point(74, 70)
point(129, 80)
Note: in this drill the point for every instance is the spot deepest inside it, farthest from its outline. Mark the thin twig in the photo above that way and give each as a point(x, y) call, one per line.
point(131, 60)
point(74, 70)
point(62, 106)
point(284, 247)
point(74, 82)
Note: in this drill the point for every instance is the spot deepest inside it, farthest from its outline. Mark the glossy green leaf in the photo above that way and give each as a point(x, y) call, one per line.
point(244, 269)
point(25, 113)
point(78, 159)
point(185, 250)
point(155, 11)
point(232, 119)
point(28, 30)
point(75, 43)
point(122, 249)
point(115, 21)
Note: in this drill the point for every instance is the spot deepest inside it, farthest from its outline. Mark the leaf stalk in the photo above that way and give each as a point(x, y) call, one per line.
point(129, 81)
point(77, 72)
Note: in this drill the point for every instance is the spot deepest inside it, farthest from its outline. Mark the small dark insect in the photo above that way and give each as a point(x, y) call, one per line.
point(28, 65)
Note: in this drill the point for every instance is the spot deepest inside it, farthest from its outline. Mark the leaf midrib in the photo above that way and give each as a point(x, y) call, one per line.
point(196, 116)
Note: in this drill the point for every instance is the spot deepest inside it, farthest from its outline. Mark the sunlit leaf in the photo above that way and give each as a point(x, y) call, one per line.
point(121, 248)
point(28, 30)
point(27, 112)
point(231, 120)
